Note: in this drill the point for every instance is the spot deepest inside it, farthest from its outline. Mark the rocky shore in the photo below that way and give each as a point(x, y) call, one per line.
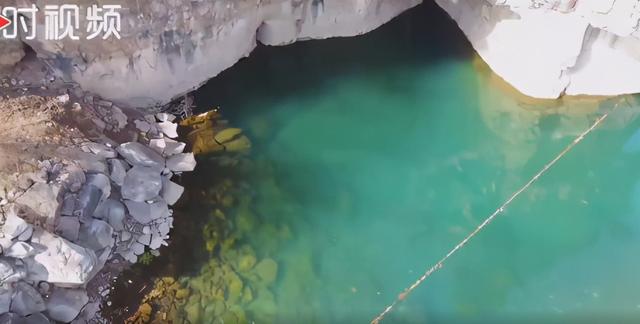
point(89, 188)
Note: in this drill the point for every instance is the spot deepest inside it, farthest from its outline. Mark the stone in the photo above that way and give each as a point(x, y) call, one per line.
point(19, 250)
point(43, 199)
point(36, 318)
point(156, 241)
point(181, 162)
point(119, 117)
point(26, 235)
point(145, 239)
point(96, 189)
point(26, 300)
point(61, 262)
point(6, 291)
point(96, 235)
point(13, 225)
point(267, 270)
point(157, 144)
point(65, 304)
point(68, 205)
point(68, 227)
point(117, 171)
point(112, 211)
point(11, 270)
point(100, 150)
point(144, 212)
point(141, 184)
point(171, 191)
point(138, 154)
point(142, 125)
point(164, 117)
point(173, 147)
point(168, 128)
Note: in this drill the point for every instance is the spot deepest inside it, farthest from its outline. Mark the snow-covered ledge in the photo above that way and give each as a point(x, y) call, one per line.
point(546, 48)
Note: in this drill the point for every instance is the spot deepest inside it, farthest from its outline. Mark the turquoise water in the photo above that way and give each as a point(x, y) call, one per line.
point(379, 169)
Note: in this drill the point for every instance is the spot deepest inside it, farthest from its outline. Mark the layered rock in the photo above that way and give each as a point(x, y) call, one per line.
point(171, 47)
point(546, 48)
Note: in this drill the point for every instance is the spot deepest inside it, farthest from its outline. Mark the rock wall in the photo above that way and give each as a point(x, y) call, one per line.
point(546, 48)
point(171, 47)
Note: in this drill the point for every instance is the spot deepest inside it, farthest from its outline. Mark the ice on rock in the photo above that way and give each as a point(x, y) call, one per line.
point(113, 212)
point(26, 300)
point(100, 150)
point(117, 171)
point(168, 128)
point(19, 250)
point(144, 212)
point(137, 154)
point(68, 227)
point(65, 304)
point(96, 235)
point(171, 191)
point(173, 147)
point(141, 184)
point(65, 264)
point(181, 162)
point(13, 225)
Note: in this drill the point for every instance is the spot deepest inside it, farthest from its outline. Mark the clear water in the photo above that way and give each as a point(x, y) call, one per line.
point(387, 152)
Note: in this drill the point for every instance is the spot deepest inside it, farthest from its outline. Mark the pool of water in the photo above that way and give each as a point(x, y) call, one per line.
point(386, 150)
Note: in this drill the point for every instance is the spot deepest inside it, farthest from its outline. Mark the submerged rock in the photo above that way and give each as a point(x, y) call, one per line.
point(65, 304)
point(141, 184)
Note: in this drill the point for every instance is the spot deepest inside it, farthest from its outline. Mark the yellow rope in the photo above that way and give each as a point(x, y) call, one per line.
point(403, 295)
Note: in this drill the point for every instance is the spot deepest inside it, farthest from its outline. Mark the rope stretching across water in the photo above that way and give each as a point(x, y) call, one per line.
point(403, 295)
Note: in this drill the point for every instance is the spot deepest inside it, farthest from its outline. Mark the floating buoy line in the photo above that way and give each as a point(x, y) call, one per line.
point(437, 266)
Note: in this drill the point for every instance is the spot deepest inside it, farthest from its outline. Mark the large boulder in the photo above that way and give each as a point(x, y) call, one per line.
point(60, 262)
point(26, 300)
point(141, 184)
point(137, 154)
point(65, 304)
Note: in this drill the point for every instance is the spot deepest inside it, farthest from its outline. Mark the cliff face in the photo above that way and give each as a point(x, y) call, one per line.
point(546, 48)
point(171, 47)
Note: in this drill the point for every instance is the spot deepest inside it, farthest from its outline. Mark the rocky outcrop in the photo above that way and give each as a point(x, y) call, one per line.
point(169, 48)
point(546, 48)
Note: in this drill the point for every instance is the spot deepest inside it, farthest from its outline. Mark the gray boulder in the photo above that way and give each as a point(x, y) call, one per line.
point(113, 212)
point(96, 235)
point(43, 199)
point(145, 213)
point(13, 225)
point(141, 184)
point(100, 150)
point(181, 162)
point(117, 171)
point(171, 191)
point(96, 189)
point(26, 300)
point(68, 227)
point(6, 291)
point(19, 250)
point(65, 304)
point(137, 154)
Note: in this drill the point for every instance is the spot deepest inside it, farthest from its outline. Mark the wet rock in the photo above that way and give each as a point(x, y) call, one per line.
point(65, 304)
point(96, 235)
point(181, 162)
point(100, 150)
point(267, 270)
point(68, 227)
point(117, 171)
point(96, 189)
point(171, 191)
point(19, 250)
point(141, 184)
point(26, 300)
point(64, 263)
point(138, 154)
point(113, 212)
point(173, 147)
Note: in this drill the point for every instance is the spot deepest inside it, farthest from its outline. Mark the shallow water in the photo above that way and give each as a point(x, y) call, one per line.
point(383, 153)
